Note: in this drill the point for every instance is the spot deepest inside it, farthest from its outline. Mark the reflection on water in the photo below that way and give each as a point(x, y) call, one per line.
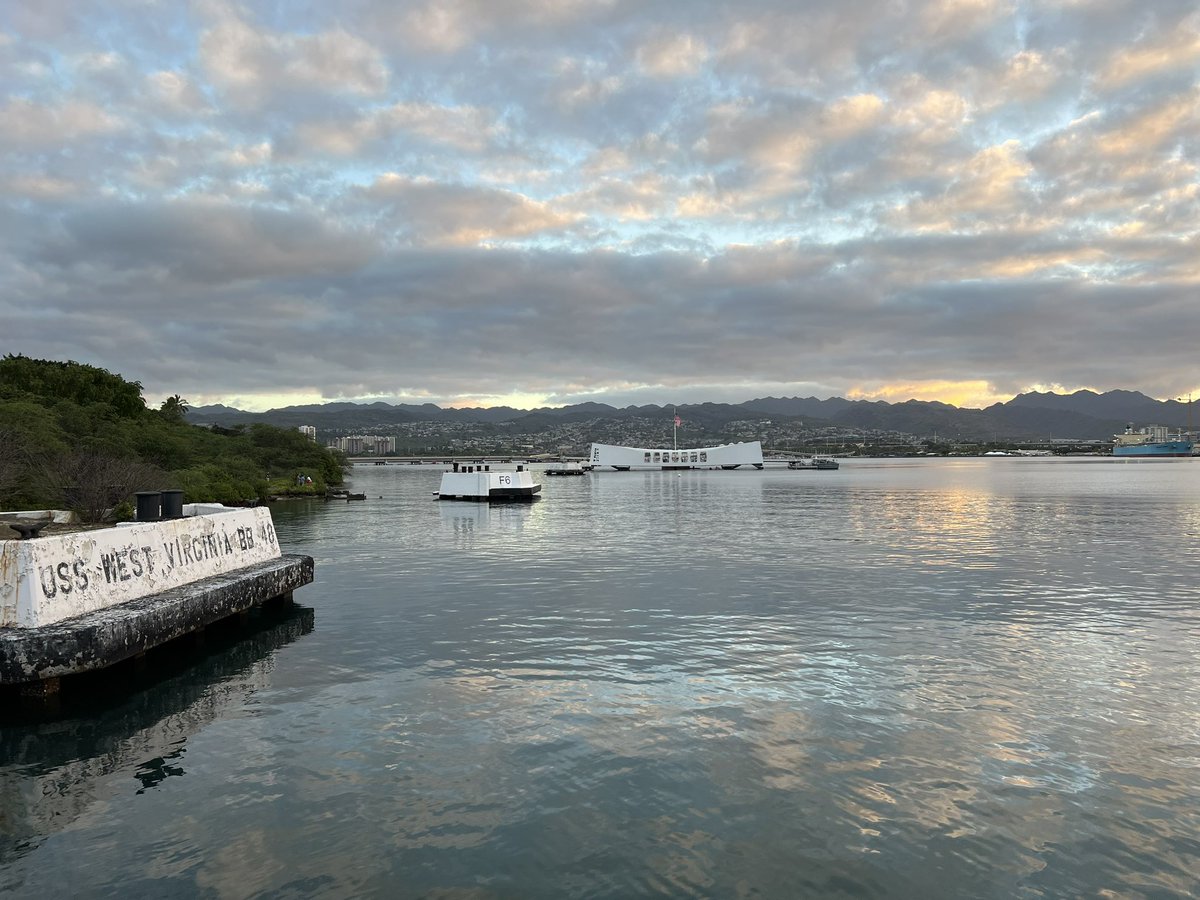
point(904, 678)
point(56, 773)
point(461, 520)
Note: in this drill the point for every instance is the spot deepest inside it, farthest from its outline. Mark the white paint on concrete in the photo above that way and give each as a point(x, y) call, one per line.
point(48, 579)
point(204, 509)
point(192, 509)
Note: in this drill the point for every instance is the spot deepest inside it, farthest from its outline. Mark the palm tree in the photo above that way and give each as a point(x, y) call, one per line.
point(174, 408)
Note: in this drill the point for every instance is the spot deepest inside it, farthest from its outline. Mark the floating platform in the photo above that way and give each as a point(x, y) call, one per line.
point(481, 485)
point(103, 638)
point(567, 469)
point(723, 456)
point(816, 462)
point(82, 601)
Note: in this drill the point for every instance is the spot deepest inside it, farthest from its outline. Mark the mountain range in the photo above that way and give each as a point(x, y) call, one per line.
point(1083, 415)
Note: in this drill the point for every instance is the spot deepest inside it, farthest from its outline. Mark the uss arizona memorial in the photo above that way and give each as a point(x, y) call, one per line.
point(724, 456)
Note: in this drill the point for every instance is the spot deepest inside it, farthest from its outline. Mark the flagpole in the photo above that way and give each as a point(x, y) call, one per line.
point(675, 429)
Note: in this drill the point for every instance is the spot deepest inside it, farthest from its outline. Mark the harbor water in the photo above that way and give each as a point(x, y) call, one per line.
point(905, 678)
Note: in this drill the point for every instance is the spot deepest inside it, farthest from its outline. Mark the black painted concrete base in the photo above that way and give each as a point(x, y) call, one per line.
point(498, 495)
point(29, 656)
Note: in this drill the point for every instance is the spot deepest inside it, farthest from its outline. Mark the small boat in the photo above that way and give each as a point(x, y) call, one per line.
point(571, 468)
point(815, 462)
point(356, 497)
point(480, 484)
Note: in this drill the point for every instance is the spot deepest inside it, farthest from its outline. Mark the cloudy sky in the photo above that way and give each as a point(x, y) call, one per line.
point(474, 202)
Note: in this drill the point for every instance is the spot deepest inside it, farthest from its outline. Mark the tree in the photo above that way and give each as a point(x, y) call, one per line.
point(76, 436)
point(42, 380)
point(174, 408)
point(28, 437)
point(14, 462)
point(92, 483)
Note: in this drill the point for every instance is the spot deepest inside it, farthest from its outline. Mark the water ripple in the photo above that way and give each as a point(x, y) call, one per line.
point(934, 679)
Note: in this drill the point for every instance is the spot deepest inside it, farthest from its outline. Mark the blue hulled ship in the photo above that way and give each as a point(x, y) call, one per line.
point(1152, 441)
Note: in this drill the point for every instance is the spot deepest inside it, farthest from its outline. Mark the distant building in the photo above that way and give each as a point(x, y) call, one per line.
point(357, 444)
point(309, 431)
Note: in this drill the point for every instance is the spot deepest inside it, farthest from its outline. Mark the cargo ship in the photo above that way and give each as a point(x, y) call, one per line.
point(1152, 441)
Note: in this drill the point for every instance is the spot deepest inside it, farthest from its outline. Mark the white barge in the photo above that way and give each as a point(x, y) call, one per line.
point(567, 468)
point(481, 484)
point(724, 456)
point(814, 462)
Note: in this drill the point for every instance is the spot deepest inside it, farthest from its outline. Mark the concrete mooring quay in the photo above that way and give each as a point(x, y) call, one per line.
point(84, 601)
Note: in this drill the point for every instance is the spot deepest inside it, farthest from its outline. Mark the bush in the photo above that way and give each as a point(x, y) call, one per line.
point(81, 437)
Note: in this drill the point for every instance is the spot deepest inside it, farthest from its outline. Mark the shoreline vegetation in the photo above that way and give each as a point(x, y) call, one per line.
point(78, 437)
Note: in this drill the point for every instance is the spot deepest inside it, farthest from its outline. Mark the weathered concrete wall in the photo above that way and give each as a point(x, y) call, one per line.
point(51, 579)
point(106, 636)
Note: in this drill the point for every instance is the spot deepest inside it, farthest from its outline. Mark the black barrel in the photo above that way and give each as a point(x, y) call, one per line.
point(172, 504)
point(149, 506)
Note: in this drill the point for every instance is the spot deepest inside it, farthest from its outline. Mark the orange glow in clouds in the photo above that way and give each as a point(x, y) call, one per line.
point(964, 394)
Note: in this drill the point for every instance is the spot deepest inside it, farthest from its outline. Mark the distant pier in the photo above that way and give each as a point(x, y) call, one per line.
point(437, 459)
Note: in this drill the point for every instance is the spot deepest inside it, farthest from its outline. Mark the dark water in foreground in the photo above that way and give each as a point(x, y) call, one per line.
point(975, 678)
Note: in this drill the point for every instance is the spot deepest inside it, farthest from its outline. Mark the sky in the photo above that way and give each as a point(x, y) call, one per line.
point(543, 202)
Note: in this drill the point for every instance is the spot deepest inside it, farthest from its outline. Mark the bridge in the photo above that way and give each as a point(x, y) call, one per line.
point(437, 459)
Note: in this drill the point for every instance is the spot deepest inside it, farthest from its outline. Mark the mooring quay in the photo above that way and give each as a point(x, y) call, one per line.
point(86, 600)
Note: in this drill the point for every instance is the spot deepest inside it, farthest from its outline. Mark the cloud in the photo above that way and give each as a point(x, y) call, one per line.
point(848, 116)
point(986, 191)
point(425, 212)
point(447, 27)
point(676, 197)
point(177, 93)
point(957, 19)
point(464, 129)
point(252, 65)
point(39, 187)
point(26, 125)
point(672, 55)
point(202, 241)
point(1170, 50)
point(1154, 127)
point(929, 115)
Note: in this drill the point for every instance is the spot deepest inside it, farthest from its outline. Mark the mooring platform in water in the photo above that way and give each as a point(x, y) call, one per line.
point(82, 602)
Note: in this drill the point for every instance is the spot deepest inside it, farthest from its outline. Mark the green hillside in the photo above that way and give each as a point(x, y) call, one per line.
point(73, 436)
